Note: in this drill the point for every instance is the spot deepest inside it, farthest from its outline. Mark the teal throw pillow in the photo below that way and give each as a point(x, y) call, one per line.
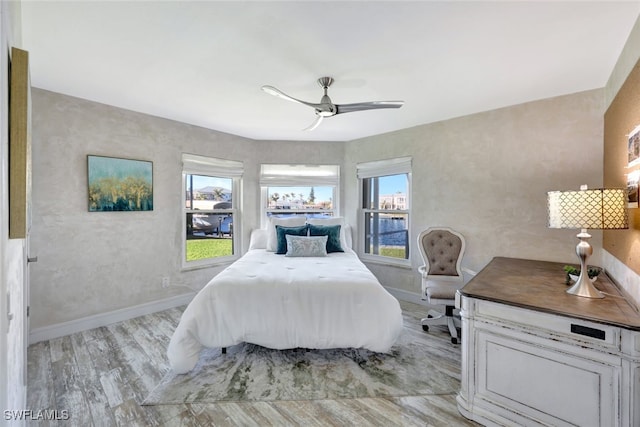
point(281, 232)
point(333, 233)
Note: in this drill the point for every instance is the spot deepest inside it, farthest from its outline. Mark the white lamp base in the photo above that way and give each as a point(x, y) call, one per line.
point(583, 286)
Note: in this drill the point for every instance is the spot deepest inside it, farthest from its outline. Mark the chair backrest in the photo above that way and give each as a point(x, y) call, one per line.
point(442, 249)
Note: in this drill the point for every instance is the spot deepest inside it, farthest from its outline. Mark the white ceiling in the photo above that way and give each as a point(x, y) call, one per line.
point(204, 62)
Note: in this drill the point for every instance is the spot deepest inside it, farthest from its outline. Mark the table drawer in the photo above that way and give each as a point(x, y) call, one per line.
point(579, 330)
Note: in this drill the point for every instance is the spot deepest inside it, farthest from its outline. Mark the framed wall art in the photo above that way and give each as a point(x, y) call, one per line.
point(19, 145)
point(633, 148)
point(117, 184)
point(632, 188)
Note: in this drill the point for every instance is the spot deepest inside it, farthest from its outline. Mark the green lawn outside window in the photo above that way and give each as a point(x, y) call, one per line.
point(198, 249)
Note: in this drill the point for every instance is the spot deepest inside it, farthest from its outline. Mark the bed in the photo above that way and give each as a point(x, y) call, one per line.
point(281, 302)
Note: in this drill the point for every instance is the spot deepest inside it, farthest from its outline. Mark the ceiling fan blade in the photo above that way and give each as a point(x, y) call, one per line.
point(315, 124)
point(326, 108)
point(373, 105)
point(277, 92)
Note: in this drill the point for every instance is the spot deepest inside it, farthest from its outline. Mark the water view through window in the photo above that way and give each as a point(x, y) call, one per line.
point(309, 201)
point(386, 215)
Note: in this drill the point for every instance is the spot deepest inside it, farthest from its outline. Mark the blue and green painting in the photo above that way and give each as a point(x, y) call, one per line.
point(119, 184)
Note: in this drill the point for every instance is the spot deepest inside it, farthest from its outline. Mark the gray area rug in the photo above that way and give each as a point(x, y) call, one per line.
point(418, 364)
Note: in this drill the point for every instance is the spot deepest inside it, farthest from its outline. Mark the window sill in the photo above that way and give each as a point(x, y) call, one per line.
point(199, 265)
point(386, 261)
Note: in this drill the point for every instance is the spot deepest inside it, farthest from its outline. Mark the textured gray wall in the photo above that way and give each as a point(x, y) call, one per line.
point(96, 262)
point(486, 175)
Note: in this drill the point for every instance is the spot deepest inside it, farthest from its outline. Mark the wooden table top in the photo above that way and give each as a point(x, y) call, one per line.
point(540, 286)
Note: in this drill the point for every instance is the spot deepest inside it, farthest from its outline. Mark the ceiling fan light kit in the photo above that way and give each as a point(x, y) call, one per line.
point(326, 108)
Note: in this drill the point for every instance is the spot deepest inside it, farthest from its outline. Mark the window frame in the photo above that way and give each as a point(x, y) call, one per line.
point(288, 178)
point(379, 169)
point(215, 168)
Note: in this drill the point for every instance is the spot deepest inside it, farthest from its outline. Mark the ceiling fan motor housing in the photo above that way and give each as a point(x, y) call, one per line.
point(325, 82)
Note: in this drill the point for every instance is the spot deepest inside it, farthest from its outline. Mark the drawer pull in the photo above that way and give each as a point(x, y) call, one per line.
point(589, 332)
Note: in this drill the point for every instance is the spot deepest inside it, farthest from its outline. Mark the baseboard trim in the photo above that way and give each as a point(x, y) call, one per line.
point(103, 319)
point(408, 296)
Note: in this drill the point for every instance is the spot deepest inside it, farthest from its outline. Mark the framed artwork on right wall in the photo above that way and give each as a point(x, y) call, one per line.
point(632, 188)
point(633, 167)
point(633, 149)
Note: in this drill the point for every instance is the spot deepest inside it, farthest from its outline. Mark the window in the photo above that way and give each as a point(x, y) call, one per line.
point(211, 189)
point(386, 197)
point(299, 190)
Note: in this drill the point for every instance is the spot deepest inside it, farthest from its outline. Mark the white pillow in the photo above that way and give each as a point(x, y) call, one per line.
point(306, 246)
point(345, 231)
point(292, 221)
point(258, 239)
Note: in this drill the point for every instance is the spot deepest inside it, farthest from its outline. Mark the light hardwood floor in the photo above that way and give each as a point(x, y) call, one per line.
point(101, 375)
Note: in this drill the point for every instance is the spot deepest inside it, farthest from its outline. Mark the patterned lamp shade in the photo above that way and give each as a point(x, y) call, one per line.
point(601, 208)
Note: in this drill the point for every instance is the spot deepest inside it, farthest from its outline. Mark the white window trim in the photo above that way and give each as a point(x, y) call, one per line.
point(208, 166)
point(381, 168)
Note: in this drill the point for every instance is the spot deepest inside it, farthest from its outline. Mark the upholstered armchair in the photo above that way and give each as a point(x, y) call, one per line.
point(442, 250)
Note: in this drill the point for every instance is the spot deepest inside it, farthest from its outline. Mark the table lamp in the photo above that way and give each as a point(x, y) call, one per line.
point(603, 208)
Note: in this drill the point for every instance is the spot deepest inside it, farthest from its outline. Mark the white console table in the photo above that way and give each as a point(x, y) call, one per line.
point(534, 355)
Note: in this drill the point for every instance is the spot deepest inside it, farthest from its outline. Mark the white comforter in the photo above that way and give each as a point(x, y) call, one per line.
point(285, 302)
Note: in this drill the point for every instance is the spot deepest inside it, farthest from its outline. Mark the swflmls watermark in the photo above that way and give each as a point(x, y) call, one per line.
point(40, 415)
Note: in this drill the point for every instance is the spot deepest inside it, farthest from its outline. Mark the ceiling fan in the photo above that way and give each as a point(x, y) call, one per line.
point(326, 108)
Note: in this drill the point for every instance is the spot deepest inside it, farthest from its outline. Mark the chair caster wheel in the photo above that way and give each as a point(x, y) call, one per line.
point(425, 328)
point(429, 316)
point(454, 340)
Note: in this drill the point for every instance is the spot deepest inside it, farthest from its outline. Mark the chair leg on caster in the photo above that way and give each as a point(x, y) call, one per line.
point(447, 319)
point(453, 331)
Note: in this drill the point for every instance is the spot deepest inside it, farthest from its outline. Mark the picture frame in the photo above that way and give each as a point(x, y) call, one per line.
point(119, 184)
point(633, 147)
point(633, 194)
point(19, 145)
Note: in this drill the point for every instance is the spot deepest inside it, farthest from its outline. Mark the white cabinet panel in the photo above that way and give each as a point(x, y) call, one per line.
point(544, 384)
